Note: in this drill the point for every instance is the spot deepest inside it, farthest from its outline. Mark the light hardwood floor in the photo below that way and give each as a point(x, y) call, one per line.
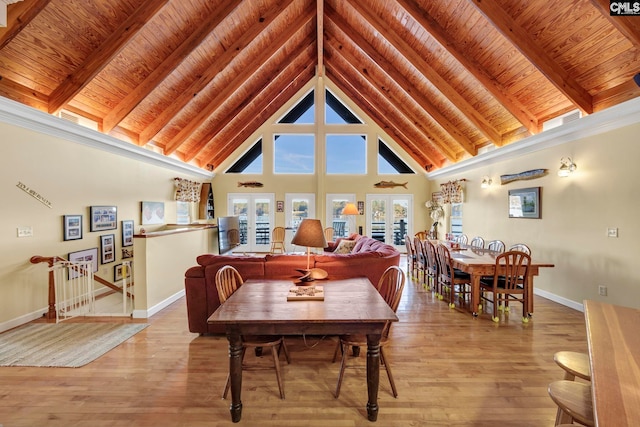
point(450, 370)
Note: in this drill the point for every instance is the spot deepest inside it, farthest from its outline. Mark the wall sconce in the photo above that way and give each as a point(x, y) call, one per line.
point(566, 167)
point(486, 182)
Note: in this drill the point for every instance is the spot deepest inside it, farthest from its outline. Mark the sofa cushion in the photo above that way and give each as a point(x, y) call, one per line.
point(345, 247)
point(207, 259)
point(284, 266)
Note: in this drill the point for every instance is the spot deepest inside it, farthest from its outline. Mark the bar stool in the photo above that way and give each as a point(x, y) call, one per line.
point(574, 402)
point(575, 364)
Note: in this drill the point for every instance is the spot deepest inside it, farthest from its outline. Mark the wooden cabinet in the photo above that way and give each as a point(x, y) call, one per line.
point(206, 210)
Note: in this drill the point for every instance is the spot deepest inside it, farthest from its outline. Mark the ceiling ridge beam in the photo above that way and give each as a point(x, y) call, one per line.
point(304, 71)
point(320, 35)
point(527, 46)
point(629, 26)
point(382, 116)
point(238, 80)
point(422, 66)
point(394, 75)
point(19, 15)
point(100, 58)
point(168, 65)
point(221, 62)
point(510, 102)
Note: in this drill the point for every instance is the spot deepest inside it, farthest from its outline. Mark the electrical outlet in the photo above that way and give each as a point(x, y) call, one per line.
point(25, 232)
point(602, 290)
point(612, 232)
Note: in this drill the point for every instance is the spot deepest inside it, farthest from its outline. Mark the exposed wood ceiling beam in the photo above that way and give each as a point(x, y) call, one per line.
point(100, 58)
point(417, 61)
point(559, 77)
point(223, 95)
point(629, 26)
point(320, 35)
point(510, 102)
point(22, 94)
point(220, 63)
point(272, 98)
point(167, 66)
point(394, 75)
point(18, 16)
point(418, 145)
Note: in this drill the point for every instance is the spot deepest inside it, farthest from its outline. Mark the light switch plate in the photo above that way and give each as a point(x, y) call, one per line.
point(25, 231)
point(612, 232)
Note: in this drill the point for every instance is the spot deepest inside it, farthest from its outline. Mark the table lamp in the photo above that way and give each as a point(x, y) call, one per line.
point(350, 209)
point(311, 235)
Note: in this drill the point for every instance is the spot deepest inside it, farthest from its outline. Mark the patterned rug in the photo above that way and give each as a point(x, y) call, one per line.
point(65, 345)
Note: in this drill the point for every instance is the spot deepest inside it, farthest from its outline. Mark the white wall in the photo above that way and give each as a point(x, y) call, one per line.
point(576, 212)
point(71, 177)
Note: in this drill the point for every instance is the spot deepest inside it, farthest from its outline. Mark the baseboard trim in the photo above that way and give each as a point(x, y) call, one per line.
point(560, 300)
point(19, 321)
point(145, 314)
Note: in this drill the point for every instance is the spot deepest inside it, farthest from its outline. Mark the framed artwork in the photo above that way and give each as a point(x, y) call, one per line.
point(437, 197)
point(87, 255)
point(103, 218)
point(72, 225)
point(108, 248)
point(152, 213)
point(127, 232)
point(360, 207)
point(118, 271)
point(279, 206)
point(525, 203)
point(127, 253)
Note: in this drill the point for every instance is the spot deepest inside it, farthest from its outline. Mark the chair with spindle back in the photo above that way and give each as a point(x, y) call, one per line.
point(496, 245)
point(477, 242)
point(449, 277)
point(228, 280)
point(277, 240)
point(520, 247)
point(509, 280)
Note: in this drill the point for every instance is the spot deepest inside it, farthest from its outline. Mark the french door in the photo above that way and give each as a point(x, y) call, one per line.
point(256, 212)
point(297, 206)
point(343, 225)
point(389, 218)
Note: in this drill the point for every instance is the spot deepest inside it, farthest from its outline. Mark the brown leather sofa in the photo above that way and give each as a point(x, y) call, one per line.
point(369, 258)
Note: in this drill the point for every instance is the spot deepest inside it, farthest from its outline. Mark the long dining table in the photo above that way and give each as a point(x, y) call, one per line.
point(482, 262)
point(261, 307)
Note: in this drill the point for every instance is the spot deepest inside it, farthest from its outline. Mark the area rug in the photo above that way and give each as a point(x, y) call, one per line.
point(65, 345)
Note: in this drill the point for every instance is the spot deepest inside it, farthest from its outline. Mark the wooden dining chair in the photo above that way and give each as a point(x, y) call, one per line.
point(496, 245)
point(509, 281)
point(390, 286)
point(462, 239)
point(422, 235)
point(431, 281)
point(277, 240)
point(420, 260)
point(228, 280)
point(477, 242)
point(520, 247)
point(449, 277)
point(411, 255)
point(328, 234)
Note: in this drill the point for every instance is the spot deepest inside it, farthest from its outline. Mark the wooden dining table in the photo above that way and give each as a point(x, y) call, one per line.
point(260, 307)
point(614, 356)
point(482, 262)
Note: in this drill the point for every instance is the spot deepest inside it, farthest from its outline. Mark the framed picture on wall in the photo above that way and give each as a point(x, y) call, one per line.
point(152, 213)
point(72, 225)
point(280, 206)
point(525, 203)
point(103, 218)
point(118, 271)
point(87, 256)
point(127, 232)
point(108, 248)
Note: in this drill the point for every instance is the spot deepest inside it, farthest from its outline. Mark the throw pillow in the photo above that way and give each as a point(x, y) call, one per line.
point(345, 247)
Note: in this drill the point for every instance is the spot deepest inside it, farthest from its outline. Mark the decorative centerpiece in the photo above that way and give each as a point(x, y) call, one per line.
point(435, 213)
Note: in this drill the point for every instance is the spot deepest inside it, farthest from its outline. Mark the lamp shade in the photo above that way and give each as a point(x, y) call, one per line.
point(350, 209)
point(310, 234)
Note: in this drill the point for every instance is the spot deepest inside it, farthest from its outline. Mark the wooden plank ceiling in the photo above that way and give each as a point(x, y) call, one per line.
point(195, 78)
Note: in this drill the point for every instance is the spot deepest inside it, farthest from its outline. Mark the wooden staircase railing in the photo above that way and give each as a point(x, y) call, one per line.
point(51, 312)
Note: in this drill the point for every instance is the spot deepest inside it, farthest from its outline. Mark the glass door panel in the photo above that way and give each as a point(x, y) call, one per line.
point(389, 218)
point(343, 225)
point(256, 220)
point(298, 206)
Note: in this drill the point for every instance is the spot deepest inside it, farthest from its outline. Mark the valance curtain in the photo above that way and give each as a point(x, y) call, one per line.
point(187, 191)
point(452, 191)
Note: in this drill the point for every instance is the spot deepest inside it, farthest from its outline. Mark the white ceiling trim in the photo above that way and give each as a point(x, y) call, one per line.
point(14, 113)
point(621, 115)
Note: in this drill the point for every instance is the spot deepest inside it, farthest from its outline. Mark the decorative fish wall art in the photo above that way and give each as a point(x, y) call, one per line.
point(389, 184)
point(251, 184)
point(532, 174)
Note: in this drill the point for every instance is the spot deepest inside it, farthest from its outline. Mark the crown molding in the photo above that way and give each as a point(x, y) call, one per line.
point(619, 116)
point(14, 113)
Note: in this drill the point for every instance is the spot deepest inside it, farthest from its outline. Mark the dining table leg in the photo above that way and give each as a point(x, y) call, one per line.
point(235, 373)
point(475, 293)
point(373, 375)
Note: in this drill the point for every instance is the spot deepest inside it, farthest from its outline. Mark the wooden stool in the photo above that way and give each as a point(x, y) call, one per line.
point(574, 402)
point(574, 364)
